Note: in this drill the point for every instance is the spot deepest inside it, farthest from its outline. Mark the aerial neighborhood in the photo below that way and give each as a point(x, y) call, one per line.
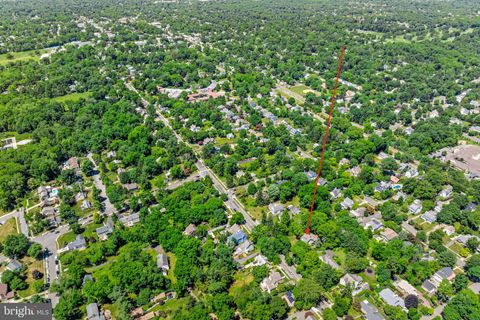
point(200, 160)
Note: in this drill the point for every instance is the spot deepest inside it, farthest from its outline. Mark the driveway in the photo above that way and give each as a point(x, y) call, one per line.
point(109, 208)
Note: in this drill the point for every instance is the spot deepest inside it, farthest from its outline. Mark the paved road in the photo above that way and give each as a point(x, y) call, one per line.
point(48, 240)
point(20, 215)
point(109, 208)
point(232, 202)
point(21, 221)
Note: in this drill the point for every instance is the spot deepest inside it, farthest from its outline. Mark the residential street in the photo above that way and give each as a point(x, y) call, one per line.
point(232, 202)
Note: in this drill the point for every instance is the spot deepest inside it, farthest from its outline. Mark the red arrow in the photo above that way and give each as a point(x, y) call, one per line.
point(320, 164)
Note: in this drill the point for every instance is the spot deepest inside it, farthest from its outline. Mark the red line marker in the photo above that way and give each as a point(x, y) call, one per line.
point(320, 164)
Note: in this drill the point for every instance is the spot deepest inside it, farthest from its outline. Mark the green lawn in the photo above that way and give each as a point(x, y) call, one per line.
point(171, 306)
point(18, 136)
point(65, 238)
point(74, 97)
point(9, 227)
point(302, 89)
point(242, 279)
point(172, 260)
point(31, 264)
point(22, 56)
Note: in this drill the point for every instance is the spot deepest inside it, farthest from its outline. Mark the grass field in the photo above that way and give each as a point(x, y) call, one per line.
point(242, 279)
point(171, 306)
point(18, 136)
point(65, 238)
point(74, 97)
point(22, 56)
point(171, 260)
point(31, 264)
point(302, 90)
point(9, 227)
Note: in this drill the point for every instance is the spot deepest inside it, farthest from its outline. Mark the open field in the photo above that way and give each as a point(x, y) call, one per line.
point(74, 97)
point(9, 227)
point(22, 56)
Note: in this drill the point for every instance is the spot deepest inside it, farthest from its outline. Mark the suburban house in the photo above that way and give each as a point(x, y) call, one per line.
point(289, 299)
point(77, 244)
point(72, 164)
point(237, 238)
point(447, 192)
point(355, 281)
point(190, 230)
point(130, 220)
point(131, 187)
point(391, 298)
point(449, 230)
point(328, 259)
point(347, 203)
point(405, 288)
point(429, 216)
point(388, 234)
point(370, 311)
point(86, 204)
point(359, 212)
point(104, 231)
point(311, 175)
point(271, 282)
point(335, 193)
point(4, 293)
point(374, 224)
point(93, 313)
point(14, 265)
point(355, 171)
point(162, 263)
point(412, 173)
point(415, 207)
point(244, 248)
point(275, 208)
point(309, 238)
point(431, 285)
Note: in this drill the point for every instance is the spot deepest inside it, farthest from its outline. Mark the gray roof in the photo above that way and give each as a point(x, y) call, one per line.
point(391, 298)
point(370, 311)
point(93, 313)
point(104, 230)
point(444, 273)
point(162, 261)
point(14, 265)
point(427, 285)
point(78, 243)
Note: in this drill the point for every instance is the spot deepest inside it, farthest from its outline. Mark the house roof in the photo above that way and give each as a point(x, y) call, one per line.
point(275, 208)
point(445, 272)
point(190, 229)
point(289, 296)
point(370, 311)
point(92, 310)
point(391, 298)
point(14, 265)
point(406, 287)
point(162, 260)
point(78, 243)
point(428, 286)
point(3, 289)
point(388, 234)
point(238, 237)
